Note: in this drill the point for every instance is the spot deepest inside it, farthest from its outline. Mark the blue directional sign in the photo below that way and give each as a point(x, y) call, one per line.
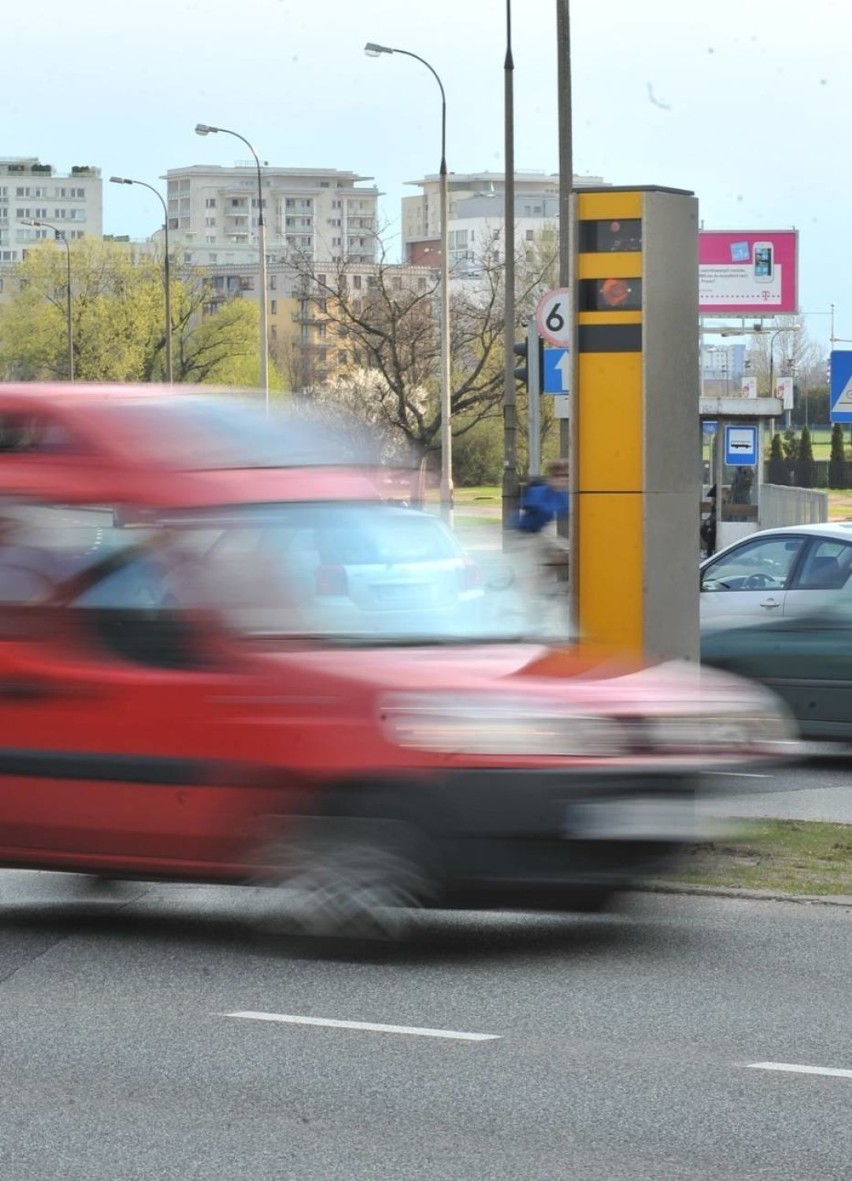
point(556, 376)
point(840, 369)
point(741, 446)
point(708, 427)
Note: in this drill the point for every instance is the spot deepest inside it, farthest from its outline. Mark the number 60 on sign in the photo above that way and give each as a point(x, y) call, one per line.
point(553, 317)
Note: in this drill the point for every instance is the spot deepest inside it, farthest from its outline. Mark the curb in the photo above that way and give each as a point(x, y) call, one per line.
point(844, 900)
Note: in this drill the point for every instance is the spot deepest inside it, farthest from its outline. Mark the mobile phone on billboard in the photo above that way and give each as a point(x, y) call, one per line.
point(764, 262)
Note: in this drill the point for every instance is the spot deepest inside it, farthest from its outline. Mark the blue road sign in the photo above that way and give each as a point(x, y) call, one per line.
point(840, 368)
point(556, 378)
point(741, 446)
point(708, 427)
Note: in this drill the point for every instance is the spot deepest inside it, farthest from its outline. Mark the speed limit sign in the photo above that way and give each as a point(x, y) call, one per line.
point(553, 317)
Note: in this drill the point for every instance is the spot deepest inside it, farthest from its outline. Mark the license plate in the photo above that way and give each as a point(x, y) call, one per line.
point(408, 594)
point(633, 819)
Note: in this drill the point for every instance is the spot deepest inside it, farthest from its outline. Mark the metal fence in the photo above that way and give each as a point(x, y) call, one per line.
point(791, 506)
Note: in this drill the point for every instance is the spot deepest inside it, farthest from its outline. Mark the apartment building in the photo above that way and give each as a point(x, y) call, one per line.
point(475, 213)
point(307, 337)
point(32, 191)
point(323, 214)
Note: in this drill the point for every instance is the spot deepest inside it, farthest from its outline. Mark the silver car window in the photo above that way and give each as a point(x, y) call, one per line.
point(755, 565)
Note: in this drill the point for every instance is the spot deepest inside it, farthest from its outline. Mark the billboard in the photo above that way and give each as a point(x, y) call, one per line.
point(747, 272)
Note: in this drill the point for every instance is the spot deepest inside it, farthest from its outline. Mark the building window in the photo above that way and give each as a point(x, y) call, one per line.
point(273, 307)
point(210, 221)
point(22, 192)
point(210, 239)
point(80, 194)
point(530, 235)
point(356, 282)
point(210, 203)
point(77, 214)
point(22, 213)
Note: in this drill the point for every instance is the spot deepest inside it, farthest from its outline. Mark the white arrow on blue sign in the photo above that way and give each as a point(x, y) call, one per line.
point(840, 368)
point(556, 378)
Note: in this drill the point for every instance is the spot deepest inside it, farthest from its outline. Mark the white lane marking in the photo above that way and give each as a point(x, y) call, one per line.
point(741, 774)
point(372, 1027)
point(790, 1067)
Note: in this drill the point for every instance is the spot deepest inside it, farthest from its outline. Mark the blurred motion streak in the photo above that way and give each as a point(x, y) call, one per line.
point(231, 651)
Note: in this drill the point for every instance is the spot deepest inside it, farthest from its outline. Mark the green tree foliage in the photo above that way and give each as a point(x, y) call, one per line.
point(779, 470)
point(837, 462)
point(118, 323)
point(478, 453)
point(805, 461)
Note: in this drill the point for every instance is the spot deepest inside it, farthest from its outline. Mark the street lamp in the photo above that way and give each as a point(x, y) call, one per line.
point(373, 50)
point(777, 332)
point(206, 129)
point(59, 235)
point(123, 180)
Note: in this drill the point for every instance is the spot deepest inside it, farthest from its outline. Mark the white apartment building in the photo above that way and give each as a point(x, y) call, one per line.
point(324, 213)
point(30, 190)
point(475, 209)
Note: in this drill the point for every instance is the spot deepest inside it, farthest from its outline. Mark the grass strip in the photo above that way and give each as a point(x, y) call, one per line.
point(789, 856)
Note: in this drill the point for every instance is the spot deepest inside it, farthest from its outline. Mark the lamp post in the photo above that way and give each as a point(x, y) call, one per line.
point(263, 302)
point(123, 180)
point(59, 236)
point(374, 50)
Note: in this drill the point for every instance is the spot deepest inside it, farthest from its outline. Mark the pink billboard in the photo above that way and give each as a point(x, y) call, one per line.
point(747, 273)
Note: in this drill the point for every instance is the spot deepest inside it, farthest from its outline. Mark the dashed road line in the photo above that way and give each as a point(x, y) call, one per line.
point(792, 1068)
point(366, 1026)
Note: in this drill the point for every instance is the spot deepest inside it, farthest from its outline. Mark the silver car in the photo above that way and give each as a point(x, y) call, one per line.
point(777, 572)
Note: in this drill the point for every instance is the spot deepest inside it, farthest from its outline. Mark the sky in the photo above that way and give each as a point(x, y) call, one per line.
point(744, 103)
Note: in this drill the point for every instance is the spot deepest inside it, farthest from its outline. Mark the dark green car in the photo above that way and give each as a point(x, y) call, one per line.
point(806, 660)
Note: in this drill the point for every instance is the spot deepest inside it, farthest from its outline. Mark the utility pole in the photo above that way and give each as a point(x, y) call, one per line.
point(568, 428)
point(510, 414)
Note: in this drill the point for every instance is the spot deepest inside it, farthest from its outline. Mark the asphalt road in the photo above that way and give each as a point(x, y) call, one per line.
point(819, 789)
point(617, 1048)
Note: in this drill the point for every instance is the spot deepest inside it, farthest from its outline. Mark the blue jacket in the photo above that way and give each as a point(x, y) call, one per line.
point(540, 504)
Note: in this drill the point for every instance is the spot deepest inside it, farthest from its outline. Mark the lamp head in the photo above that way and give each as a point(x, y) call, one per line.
point(373, 50)
point(120, 180)
point(204, 129)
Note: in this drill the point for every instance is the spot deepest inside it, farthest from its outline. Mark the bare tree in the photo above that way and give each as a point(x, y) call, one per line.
point(793, 353)
point(383, 322)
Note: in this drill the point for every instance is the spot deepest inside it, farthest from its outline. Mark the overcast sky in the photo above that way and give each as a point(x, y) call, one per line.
point(743, 102)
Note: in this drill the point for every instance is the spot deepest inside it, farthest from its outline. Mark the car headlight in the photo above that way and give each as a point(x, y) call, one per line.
point(499, 726)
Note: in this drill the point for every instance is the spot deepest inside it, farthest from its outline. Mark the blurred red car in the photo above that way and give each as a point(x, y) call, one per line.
point(280, 678)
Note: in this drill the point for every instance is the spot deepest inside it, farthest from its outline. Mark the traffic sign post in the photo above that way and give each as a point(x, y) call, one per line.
point(556, 371)
point(840, 368)
point(741, 446)
point(552, 318)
